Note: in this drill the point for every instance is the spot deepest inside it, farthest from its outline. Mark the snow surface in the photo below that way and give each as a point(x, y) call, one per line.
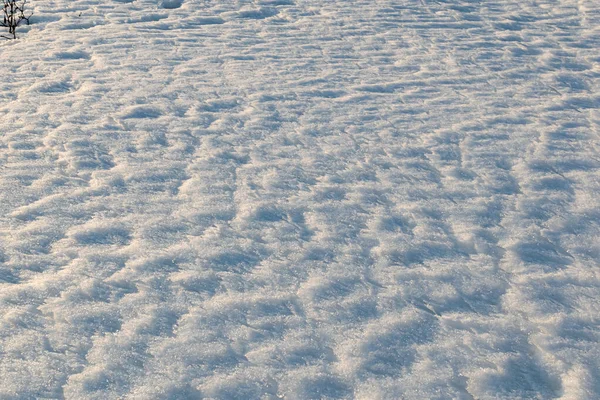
point(301, 199)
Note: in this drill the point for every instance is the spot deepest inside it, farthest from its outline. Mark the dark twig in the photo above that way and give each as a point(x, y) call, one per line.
point(13, 14)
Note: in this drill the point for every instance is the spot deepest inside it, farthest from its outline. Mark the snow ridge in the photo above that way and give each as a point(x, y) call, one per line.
point(301, 199)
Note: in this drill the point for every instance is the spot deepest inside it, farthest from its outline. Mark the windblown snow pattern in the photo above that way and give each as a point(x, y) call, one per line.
point(301, 199)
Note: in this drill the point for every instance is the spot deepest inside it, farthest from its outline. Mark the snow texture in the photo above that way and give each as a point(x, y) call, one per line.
point(301, 199)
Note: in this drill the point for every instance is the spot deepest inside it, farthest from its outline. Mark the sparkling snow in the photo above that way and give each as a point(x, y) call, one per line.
point(301, 199)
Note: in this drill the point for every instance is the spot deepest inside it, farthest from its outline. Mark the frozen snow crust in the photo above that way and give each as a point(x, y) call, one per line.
point(301, 199)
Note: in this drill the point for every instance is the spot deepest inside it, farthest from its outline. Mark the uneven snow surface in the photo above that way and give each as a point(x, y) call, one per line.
point(301, 199)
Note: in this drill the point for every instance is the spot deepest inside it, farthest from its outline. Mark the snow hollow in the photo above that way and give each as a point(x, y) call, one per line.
point(301, 199)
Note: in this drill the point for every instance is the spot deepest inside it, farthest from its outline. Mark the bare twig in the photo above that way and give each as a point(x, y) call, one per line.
point(13, 14)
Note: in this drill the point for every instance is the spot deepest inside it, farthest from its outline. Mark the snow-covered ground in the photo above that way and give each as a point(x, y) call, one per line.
point(301, 199)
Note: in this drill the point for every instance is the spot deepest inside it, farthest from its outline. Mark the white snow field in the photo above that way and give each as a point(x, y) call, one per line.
point(301, 199)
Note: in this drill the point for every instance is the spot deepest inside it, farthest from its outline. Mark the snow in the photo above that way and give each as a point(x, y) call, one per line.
point(301, 199)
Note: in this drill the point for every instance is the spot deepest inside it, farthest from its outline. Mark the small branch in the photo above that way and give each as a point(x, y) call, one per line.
point(13, 15)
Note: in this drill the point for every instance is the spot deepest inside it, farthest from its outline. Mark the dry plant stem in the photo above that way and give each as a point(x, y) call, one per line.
point(13, 14)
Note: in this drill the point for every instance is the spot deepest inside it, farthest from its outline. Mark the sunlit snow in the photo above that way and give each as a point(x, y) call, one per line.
point(301, 199)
